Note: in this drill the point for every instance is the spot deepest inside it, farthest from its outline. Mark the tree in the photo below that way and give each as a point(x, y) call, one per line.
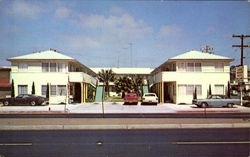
point(228, 89)
point(47, 91)
point(12, 89)
point(137, 85)
point(123, 84)
point(33, 88)
point(106, 76)
point(195, 94)
point(209, 90)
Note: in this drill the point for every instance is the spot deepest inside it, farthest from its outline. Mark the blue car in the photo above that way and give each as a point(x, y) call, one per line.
point(216, 101)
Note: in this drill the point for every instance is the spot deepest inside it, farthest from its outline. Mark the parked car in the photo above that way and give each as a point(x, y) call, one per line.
point(149, 98)
point(24, 99)
point(131, 98)
point(216, 101)
point(246, 100)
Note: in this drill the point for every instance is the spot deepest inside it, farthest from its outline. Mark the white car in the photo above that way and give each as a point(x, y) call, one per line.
point(149, 98)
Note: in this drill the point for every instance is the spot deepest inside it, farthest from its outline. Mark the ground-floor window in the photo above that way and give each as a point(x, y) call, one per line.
point(219, 89)
point(22, 89)
point(189, 89)
point(55, 90)
point(61, 90)
point(44, 89)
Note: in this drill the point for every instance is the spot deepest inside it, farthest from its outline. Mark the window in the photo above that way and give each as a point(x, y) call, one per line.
point(190, 67)
point(45, 67)
point(61, 67)
point(52, 67)
point(219, 89)
point(61, 90)
point(198, 89)
point(219, 67)
point(182, 89)
point(22, 66)
point(181, 67)
point(189, 89)
point(197, 67)
point(22, 89)
point(44, 89)
point(53, 90)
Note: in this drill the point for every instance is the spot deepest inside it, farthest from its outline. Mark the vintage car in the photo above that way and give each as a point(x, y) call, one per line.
point(25, 99)
point(131, 98)
point(216, 101)
point(149, 98)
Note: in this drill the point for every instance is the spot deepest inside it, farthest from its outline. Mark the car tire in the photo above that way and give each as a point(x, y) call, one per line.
point(32, 103)
point(204, 105)
point(5, 103)
point(230, 105)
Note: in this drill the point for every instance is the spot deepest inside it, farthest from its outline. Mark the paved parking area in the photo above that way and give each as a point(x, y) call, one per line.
point(117, 108)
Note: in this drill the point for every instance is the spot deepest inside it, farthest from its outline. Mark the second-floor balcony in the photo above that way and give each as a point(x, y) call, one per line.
point(81, 77)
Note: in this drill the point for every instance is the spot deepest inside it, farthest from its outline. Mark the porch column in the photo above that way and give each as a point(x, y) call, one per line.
point(82, 98)
point(86, 91)
point(162, 92)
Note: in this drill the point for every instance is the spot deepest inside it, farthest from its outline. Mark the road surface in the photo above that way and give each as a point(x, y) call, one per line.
point(126, 143)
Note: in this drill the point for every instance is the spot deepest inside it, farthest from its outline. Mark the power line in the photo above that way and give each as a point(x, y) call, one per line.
point(242, 37)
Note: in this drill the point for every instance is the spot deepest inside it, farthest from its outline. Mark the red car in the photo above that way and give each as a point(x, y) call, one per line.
point(131, 98)
point(24, 99)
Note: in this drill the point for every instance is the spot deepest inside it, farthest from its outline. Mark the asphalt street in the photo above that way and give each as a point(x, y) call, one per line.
point(126, 143)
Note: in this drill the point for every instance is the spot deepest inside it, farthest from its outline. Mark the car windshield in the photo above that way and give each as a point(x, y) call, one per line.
point(131, 95)
point(149, 94)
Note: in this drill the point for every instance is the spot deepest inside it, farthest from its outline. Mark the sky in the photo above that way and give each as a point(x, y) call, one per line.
point(122, 33)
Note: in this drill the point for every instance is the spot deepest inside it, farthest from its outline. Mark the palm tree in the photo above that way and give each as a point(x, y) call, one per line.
point(137, 85)
point(123, 84)
point(106, 76)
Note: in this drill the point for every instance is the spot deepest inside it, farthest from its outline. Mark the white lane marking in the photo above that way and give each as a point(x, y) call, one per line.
point(16, 144)
point(213, 142)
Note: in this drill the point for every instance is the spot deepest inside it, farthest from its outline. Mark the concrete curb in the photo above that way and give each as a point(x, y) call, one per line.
point(124, 126)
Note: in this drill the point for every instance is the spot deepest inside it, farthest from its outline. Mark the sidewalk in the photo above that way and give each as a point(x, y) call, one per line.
point(96, 108)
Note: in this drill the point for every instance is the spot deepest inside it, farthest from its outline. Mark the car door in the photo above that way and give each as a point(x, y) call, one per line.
point(18, 100)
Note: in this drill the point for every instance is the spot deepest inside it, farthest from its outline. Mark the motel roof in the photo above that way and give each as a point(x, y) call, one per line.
point(126, 71)
point(199, 55)
point(195, 55)
point(50, 54)
point(44, 55)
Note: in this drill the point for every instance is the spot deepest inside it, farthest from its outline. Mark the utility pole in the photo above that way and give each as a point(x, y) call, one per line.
point(242, 37)
point(131, 62)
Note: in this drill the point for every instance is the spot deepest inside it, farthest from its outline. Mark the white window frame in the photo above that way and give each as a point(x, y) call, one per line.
point(21, 89)
point(43, 91)
point(188, 89)
point(182, 67)
point(53, 91)
point(216, 91)
point(61, 90)
point(219, 67)
point(45, 68)
point(22, 67)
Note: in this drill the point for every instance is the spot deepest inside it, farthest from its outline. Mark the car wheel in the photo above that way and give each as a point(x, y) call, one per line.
point(5, 103)
point(204, 105)
point(32, 103)
point(230, 105)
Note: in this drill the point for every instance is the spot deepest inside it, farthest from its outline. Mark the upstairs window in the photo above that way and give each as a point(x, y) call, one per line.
point(22, 66)
point(45, 67)
point(52, 67)
point(219, 67)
